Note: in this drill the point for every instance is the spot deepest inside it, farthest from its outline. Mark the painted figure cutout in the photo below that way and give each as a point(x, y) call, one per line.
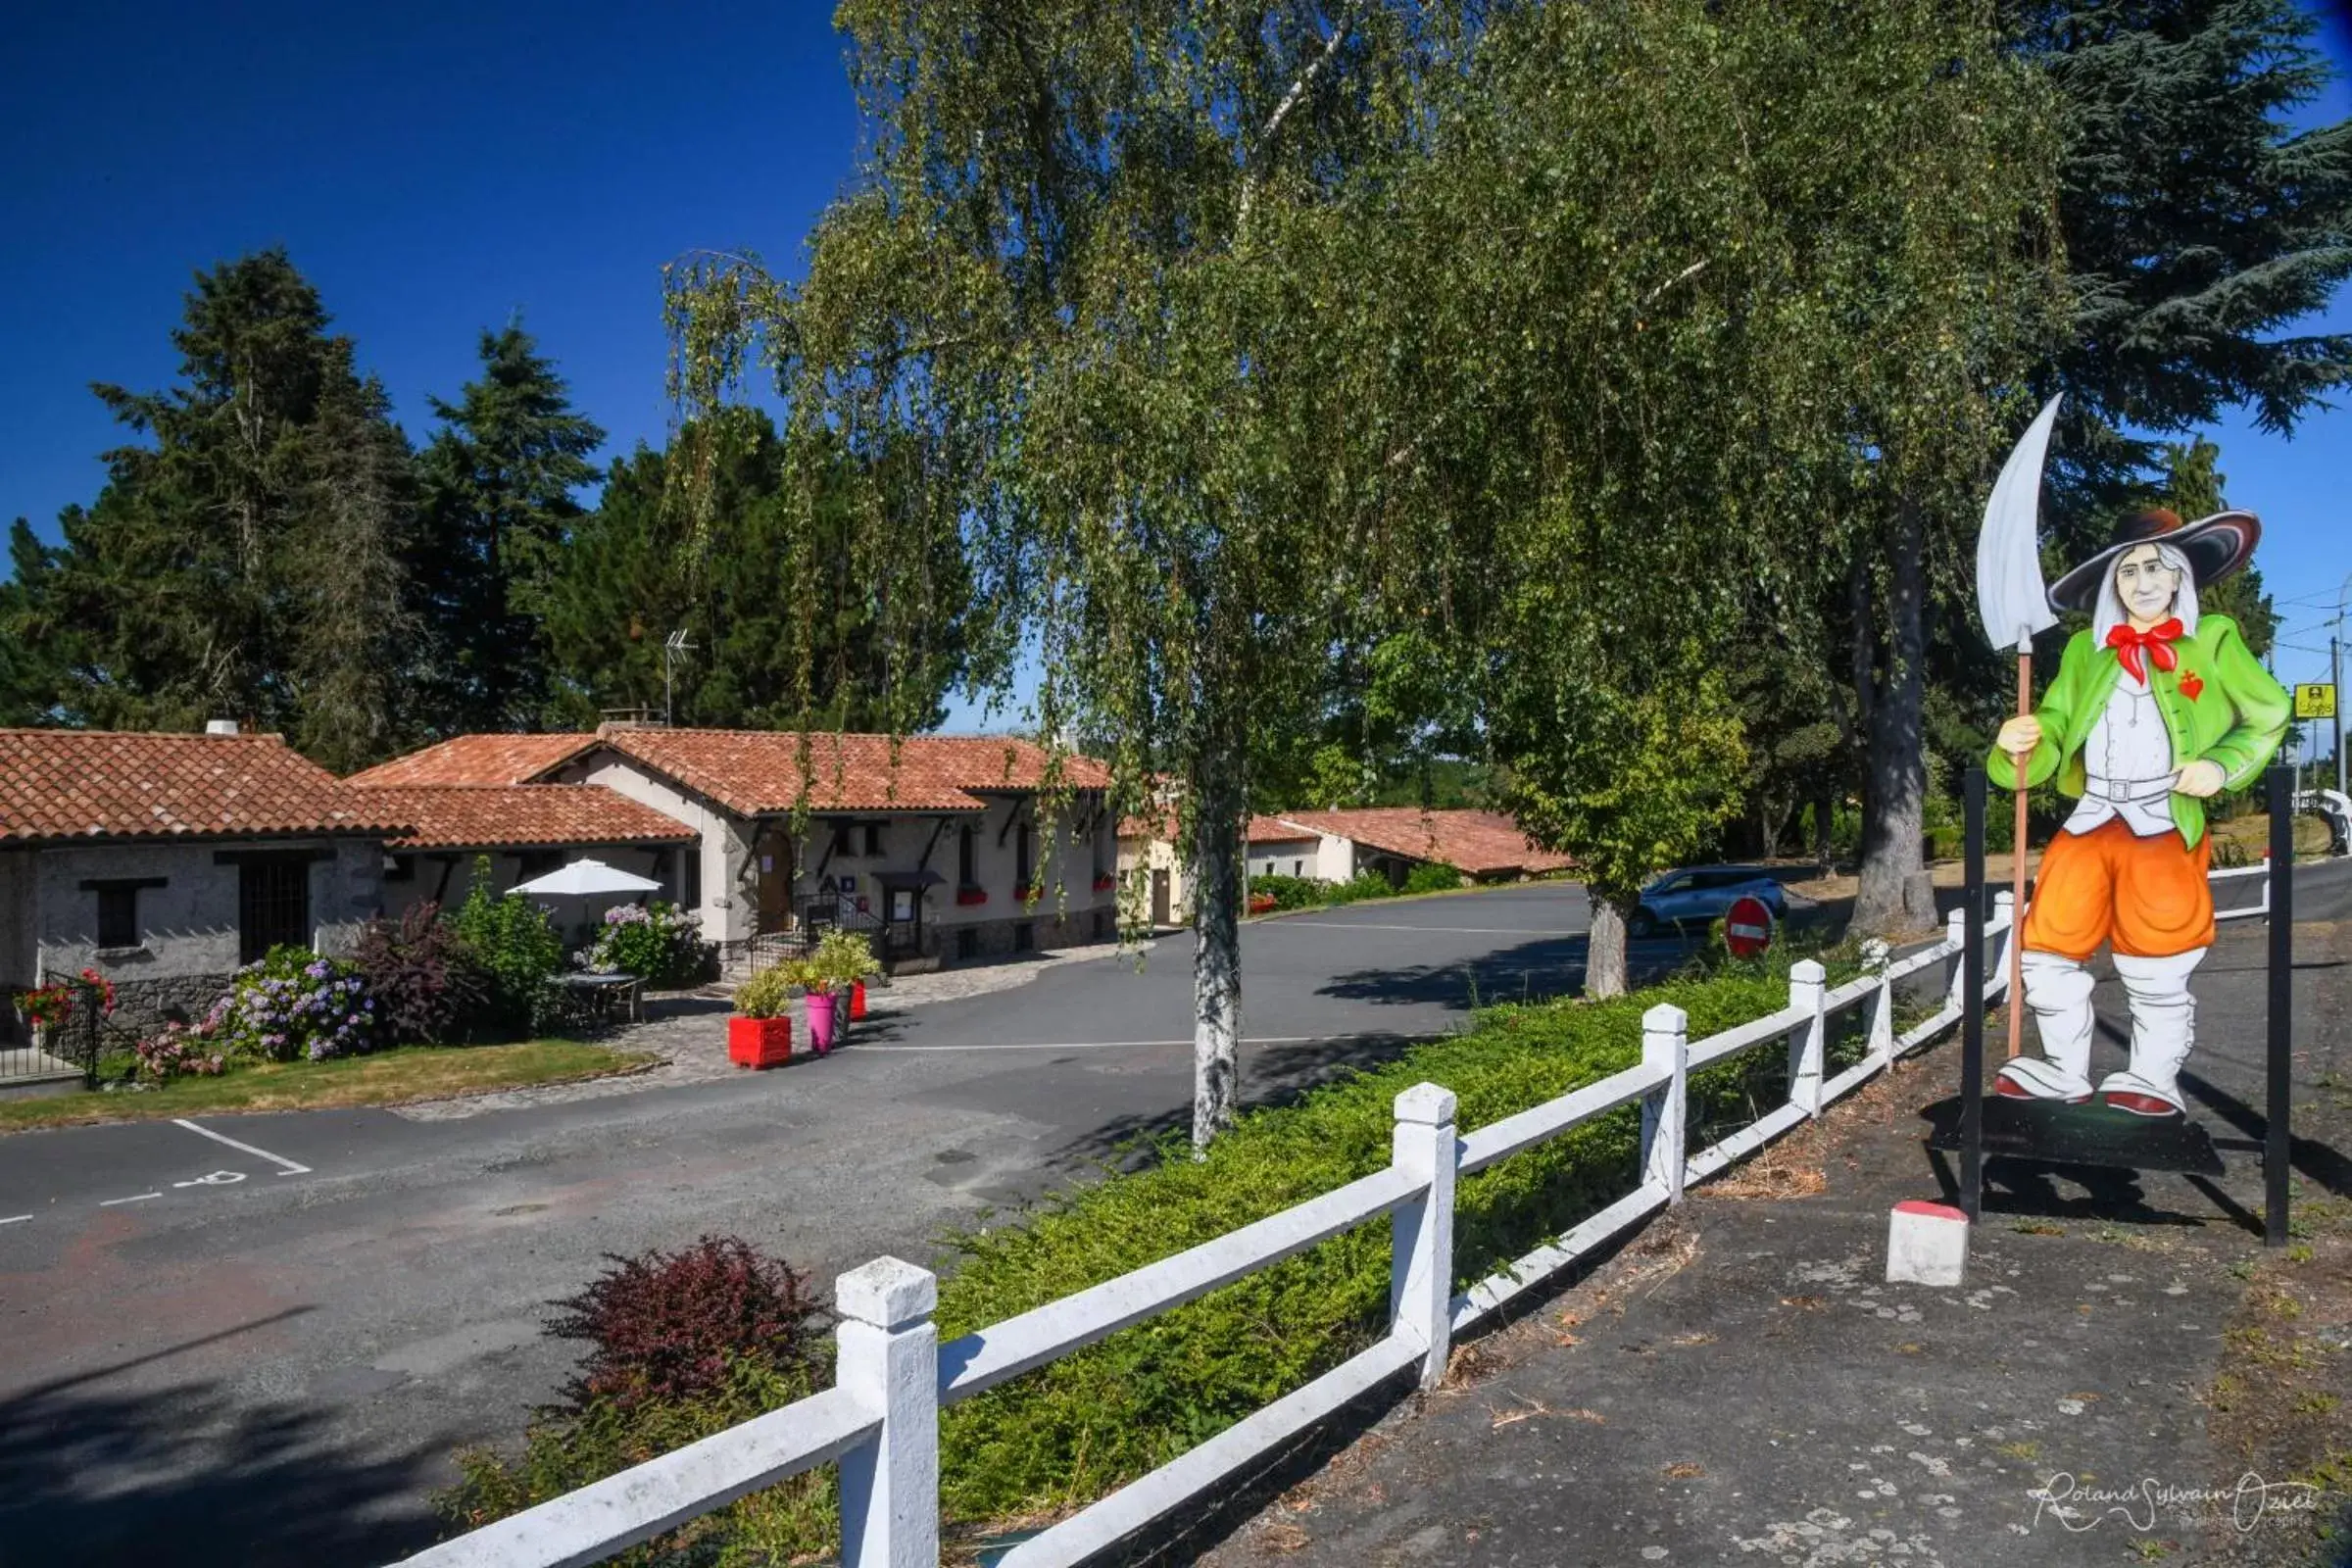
point(2155, 709)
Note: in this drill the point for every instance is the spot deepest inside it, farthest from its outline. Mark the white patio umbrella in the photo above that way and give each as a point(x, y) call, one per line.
point(586, 879)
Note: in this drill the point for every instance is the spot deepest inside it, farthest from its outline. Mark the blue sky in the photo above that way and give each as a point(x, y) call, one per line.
point(436, 168)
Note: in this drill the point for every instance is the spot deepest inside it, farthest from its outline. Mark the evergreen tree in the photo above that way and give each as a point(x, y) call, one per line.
point(241, 561)
point(750, 590)
point(497, 511)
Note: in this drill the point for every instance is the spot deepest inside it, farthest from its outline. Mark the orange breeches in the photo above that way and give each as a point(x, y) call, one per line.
point(2148, 897)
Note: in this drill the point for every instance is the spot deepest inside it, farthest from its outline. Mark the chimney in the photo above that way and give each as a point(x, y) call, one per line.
point(221, 726)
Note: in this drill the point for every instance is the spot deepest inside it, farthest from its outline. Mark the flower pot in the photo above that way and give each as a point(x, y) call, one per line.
point(820, 1021)
point(759, 1041)
point(967, 897)
point(1105, 882)
point(856, 1001)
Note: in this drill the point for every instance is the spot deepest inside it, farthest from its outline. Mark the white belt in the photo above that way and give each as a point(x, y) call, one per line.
point(2129, 791)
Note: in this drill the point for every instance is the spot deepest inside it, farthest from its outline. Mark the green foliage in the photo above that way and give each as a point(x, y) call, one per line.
point(767, 994)
point(765, 582)
point(1435, 876)
point(840, 960)
point(1312, 893)
point(516, 946)
point(496, 521)
point(242, 560)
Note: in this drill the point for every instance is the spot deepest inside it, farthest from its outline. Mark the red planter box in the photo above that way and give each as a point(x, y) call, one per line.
point(856, 1001)
point(1035, 890)
point(971, 896)
point(759, 1041)
point(1261, 903)
point(1105, 882)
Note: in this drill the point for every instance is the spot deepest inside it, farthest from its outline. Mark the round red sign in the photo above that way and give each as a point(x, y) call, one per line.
point(1747, 928)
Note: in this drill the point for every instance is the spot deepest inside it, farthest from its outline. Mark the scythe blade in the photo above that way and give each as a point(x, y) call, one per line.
point(2011, 601)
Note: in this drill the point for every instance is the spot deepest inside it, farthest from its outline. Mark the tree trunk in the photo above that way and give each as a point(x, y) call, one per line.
point(1897, 899)
point(1604, 947)
point(1825, 815)
point(1216, 873)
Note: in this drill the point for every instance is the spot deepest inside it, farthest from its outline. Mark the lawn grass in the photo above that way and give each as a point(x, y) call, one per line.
point(385, 1078)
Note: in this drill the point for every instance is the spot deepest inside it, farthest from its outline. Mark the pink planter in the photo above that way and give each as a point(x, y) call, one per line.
point(820, 1021)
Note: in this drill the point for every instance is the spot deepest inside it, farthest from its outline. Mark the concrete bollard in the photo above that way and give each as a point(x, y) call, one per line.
point(1926, 1244)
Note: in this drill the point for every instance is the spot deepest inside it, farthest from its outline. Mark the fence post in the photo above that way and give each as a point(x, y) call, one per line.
point(1877, 956)
point(2004, 917)
point(1807, 1041)
point(888, 1357)
point(1956, 931)
point(1421, 1233)
point(1666, 1110)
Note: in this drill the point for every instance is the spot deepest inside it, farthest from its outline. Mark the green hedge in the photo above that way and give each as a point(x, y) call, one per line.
point(1085, 1424)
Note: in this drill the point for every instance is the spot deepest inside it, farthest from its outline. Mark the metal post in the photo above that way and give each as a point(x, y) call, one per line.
point(2276, 1134)
point(1971, 1011)
point(2336, 675)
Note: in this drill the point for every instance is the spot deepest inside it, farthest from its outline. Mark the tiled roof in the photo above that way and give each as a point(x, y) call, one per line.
point(64, 784)
point(1480, 843)
point(1274, 830)
point(478, 759)
point(489, 817)
point(754, 771)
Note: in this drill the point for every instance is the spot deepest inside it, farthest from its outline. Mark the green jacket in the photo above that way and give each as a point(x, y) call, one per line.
point(2233, 713)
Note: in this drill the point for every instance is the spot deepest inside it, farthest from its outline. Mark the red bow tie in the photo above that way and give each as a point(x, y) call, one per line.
point(2134, 648)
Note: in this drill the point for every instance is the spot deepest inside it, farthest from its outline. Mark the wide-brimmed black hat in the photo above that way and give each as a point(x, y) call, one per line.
point(2215, 546)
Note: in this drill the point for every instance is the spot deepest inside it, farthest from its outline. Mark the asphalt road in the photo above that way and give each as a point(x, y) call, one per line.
point(265, 1349)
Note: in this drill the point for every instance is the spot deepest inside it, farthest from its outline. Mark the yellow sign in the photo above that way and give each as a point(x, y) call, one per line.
point(2315, 702)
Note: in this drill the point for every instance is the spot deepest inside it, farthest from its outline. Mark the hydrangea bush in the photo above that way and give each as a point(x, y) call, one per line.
point(181, 1050)
point(295, 1004)
point(661, 946)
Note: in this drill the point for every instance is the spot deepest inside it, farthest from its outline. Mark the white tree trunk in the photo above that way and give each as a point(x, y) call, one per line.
point(1604, 949)
point(1217, 892)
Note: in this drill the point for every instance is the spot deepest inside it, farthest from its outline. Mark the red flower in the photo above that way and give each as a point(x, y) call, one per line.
point(2190, 685)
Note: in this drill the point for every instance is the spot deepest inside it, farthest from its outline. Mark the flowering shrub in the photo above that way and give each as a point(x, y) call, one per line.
point(661, 946)
point(52, 1004)
point(295, 1004)
point(667, 1325)
point(514, 945)
point(181, 1050)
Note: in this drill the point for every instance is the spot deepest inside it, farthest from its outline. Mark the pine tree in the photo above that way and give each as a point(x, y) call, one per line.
point(497, 511)
point(212, 576)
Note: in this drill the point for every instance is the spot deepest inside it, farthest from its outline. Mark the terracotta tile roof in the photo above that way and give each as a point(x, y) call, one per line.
point(1159, 826)
point(1274, 830)
point(1481, 843)
point(490, 817)
point(64, 784)
point(478, 759)
point(754, 771)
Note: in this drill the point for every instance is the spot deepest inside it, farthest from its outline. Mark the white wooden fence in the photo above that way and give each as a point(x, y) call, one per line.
point(892, 1376)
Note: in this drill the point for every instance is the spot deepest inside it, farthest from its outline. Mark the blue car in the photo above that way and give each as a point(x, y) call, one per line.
point(1699, 895)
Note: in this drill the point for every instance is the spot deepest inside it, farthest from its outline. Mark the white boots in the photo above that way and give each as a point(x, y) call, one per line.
point(2163, 1030)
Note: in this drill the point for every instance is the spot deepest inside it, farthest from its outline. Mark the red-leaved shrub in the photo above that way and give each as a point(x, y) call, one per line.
point(665, 1325)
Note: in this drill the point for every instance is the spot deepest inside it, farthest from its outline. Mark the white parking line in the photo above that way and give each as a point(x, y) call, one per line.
point(1133, 1045)
point(109, 1203)
point(291, 1169)
point(1463, 930)
point(16, 1219)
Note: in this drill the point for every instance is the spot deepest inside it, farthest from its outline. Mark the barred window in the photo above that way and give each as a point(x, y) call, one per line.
point(273, 903)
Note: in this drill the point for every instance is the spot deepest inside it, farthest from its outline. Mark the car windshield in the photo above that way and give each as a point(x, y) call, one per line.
point(1669, 882)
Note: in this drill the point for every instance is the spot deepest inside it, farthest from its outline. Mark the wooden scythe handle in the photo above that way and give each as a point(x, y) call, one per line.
point(2017, 872)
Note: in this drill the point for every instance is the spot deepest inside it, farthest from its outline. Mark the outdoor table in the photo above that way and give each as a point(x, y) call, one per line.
point(600, 991)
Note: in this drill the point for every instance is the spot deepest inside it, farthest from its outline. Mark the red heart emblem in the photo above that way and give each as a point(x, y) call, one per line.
point(2190, 685)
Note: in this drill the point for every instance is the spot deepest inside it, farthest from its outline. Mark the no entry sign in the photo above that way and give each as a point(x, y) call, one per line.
point(1747, 928)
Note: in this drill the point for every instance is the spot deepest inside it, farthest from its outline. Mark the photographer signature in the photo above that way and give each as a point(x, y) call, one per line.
point(2078, 1508)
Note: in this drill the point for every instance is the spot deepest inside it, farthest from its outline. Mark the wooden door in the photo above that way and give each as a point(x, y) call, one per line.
point(774, 864)
point(1159, 896)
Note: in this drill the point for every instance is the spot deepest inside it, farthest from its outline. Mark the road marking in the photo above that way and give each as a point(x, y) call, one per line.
point(218, 1178)
point(16, 1219)
point(291, 1169)
point(109, 1202)
point(1133, 1045)
point(1463, 930)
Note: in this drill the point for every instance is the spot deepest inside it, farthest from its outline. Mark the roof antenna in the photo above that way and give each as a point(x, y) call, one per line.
point(672, 645)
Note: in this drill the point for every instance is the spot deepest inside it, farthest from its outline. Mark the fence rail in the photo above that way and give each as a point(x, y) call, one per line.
point(881, 1419)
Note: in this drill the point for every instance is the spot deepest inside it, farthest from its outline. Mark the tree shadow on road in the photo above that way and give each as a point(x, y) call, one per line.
point(195, 1475)
point(1542, 971)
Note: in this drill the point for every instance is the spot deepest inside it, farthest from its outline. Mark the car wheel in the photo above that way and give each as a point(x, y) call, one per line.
point(1642, 924)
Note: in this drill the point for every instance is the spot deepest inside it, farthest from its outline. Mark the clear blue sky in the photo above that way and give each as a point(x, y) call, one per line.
point(436, 168)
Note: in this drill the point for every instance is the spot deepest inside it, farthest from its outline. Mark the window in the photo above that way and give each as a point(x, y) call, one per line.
point(400, 868)
point(538, 862)
point(689, 877)
point(844, 838)
point(1297, 868)
point(1024, 937)
point(967, 869)
point(118, 917)
point(967, 941)
point(873, 840)
point(1024, 854)
point(273, 903)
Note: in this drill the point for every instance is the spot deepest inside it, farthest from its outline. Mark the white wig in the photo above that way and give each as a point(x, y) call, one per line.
point(2111, 614)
